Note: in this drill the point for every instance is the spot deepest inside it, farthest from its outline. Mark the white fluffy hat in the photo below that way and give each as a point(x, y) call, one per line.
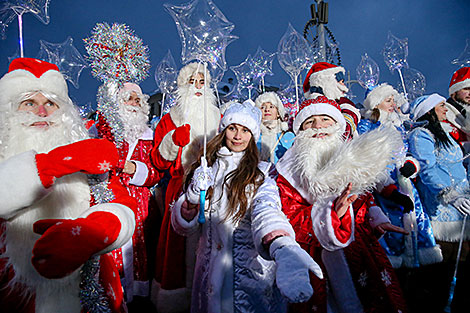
point(189, 70)
point(273, 98)
point(29, 75)
point(379, 94)
point(245, 114)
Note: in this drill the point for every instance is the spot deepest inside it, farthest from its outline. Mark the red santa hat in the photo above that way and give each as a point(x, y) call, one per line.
point(316, 75)
point(460, 79)
point(29, 75)
point(319, 106)
point(189, 70)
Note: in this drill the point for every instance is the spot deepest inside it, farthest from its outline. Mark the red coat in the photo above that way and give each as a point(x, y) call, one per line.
point(365, 260)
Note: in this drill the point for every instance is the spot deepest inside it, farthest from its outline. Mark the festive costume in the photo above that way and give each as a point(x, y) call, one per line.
point(359, 275)
point(177, 142)
point(59, 226)
point(323, 79)
point(235, 272)
point(400, 248)
point(136, 146)
point(275, 139)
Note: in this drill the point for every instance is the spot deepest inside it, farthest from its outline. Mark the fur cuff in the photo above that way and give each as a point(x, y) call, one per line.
point(20, 185)
point(140, 175)
point(415, 163)
point(180, 225)
point(167, 148)
point(126, 218)
point(449, 195)
point(377, 217)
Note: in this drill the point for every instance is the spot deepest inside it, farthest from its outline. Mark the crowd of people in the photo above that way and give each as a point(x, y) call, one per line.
point(344, 207)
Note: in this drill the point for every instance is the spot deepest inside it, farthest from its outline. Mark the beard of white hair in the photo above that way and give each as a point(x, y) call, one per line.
point(332, 89)
point(134, 119)
point(65, 126)
point(390, 119)
point(313, 153)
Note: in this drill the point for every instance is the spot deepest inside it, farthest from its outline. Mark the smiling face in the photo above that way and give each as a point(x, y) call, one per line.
point(388, 104)
point(270, 112)
point(237, 137)
point(40, 106)
point(441, 111)
point(318, 122)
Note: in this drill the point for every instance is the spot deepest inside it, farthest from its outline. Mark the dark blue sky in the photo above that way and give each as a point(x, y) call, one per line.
point(436, 31)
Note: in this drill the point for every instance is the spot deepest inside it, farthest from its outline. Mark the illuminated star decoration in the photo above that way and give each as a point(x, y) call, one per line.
point(244, 74)
point(16, 8)
point(204, 31)
point(395, 52)
point(117, 54)
point(464, 58)
point(65, 56)
point(263, 63)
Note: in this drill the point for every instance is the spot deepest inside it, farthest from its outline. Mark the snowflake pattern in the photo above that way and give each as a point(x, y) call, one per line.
point(76, 230)
point(104, 166)
point(386, 278)
point(363, 279)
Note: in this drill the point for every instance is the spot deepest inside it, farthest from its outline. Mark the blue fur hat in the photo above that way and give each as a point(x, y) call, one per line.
point(424, 104)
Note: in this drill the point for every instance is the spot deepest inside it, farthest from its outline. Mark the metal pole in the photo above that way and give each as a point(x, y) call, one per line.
point(321, 36)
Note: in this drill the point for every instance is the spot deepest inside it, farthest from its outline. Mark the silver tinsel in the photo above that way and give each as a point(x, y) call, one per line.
point(99, 188)
point(108, 106)
point(92, 295)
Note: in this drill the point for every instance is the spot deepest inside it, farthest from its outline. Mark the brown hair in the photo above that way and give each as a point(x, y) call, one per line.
point(375, 115)
point(238, 181)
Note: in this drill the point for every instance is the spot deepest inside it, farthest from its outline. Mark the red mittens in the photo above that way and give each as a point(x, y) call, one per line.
point(181, 135)
point(91, 156)
point(67, 244)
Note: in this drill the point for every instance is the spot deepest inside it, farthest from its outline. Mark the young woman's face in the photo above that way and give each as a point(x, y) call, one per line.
point(441, 111)
point(388, 105)
point(237, 137)
point(269, 111)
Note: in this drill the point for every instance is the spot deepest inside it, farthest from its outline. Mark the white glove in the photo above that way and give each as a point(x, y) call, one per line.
point(203, 178)
point(462, 204)
point(293, 265)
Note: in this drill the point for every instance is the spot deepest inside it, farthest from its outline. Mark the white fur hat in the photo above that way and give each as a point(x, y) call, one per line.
point(379, 94)
point(29, 75)
point(189, 70)
point(273, 98)
point(424, 104)
point(245, 114)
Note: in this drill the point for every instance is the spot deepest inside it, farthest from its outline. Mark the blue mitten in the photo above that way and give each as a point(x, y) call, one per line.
point(293, 266)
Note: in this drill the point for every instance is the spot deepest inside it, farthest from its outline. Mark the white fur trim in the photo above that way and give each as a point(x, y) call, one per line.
point(189, 70)
point(126, 218)
point(323, 227)
point(167, 147)
point(180, 225)
point(319, 109)
point(341, 282)
point(428, 104)
point(460, 85)
point(450, 231)
point(243, 119)
point(379, 94)
point(20, 185)
point(170, 301)
point(20, 81)
point(140, 175)
point(415, 163)
point(273, 98)
point(457, 119)
point(317, 77)
point(377, 217)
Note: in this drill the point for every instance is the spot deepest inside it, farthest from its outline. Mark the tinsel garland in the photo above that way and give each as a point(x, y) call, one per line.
point(92, 295)
point(108, 108)
point(116, 54)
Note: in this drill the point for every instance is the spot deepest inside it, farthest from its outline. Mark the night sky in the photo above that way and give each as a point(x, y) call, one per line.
point(436, 31)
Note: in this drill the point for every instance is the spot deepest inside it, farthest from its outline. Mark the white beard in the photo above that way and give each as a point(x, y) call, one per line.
point(391, 118)
point(332, 89)
point(269, 131)
point(63, 129)
point(190, 110)
point(69, 198)
point(134, 119)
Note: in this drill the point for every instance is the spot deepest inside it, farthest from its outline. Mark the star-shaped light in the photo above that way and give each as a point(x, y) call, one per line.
point(204, 31)
point(262, 63)
point(395, 52)
point(464, 58)
point(243, 72)
point(70, 62)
